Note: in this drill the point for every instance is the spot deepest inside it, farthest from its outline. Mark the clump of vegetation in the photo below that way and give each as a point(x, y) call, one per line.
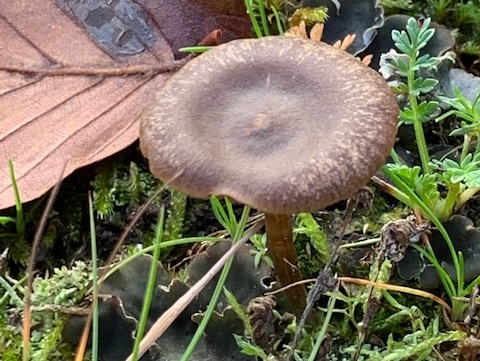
point(407, 321)
point(117, 185)
point(55, 298)
point(461, 16)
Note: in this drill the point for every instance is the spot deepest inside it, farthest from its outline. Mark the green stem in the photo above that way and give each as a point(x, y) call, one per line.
point(446, 280)
point(93, 244)
point(278, 21)
point(396, 159)
point(450, 201)
point(20, 217)
point(477, 147)
point(10, 293)
point(465, 196)
point(417, 124)
point(208, 313)
point(467, 139)
point(251, 14)
point(239, 229)
point(325, 325)
point(263, 17)
point(150, 285)
point(393, 191)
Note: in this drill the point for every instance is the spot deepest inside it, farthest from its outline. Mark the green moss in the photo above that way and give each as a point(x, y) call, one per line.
point(118, 185)
point(311, 244)
point(174, 224)
point(52, 296)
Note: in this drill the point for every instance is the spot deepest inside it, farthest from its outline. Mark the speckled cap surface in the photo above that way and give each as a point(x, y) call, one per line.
point(285, 125)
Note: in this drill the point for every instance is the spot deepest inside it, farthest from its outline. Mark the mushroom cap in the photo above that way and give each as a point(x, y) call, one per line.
point(285, 125)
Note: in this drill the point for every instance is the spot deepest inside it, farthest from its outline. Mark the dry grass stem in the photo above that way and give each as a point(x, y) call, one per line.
point(27, 317)
point(383, 286)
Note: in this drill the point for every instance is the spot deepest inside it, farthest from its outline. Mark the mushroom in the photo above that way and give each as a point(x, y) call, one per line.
point(284, 125)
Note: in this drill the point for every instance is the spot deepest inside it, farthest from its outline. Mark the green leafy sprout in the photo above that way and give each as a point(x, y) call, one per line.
point(419, 186)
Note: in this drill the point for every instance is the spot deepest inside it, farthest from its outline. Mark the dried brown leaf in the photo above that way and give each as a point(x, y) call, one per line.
point(188, 22)
point(76, 74)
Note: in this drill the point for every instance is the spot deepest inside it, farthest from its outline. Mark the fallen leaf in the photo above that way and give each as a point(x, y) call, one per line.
point(188, 22)
point(76, 74)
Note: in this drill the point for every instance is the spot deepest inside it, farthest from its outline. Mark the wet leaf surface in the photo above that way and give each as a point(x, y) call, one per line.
point(75, 76)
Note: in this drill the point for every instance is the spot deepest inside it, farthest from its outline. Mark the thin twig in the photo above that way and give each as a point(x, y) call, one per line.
point(27, 319)
point(383, 286)
point(324, 280)
point(92, 71)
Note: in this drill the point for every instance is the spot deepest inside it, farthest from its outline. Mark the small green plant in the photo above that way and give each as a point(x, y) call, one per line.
point(119, 185)
point(458, 178)
point(417, 345)
point(441, 9)
point(19, 219)
point(260, 249)
point(245, 343)
point(462, 16)
point(419, 186)
point(261, 21)
point(397, 4)
point(53, 298)
point(311, 243)
point(174, 223)
point(469, 113)
point(311, 16)
point(411, 84)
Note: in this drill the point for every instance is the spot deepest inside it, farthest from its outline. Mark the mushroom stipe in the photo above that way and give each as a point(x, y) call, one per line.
point(285, 125)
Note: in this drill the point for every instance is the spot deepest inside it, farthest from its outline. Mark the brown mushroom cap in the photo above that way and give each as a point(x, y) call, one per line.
point(285, 125)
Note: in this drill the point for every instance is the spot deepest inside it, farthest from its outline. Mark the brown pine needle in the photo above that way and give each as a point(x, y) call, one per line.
point(403, 289)
point(383, 286)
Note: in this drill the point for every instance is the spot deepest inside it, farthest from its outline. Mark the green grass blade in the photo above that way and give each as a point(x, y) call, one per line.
point(150, 286)
point(20, 220)
point(326, 323)
point(239, 228)
point(446, 280)
point(93, 242)
point(251, 14)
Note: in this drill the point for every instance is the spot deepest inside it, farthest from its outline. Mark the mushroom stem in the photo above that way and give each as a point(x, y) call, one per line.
point(284, 256)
